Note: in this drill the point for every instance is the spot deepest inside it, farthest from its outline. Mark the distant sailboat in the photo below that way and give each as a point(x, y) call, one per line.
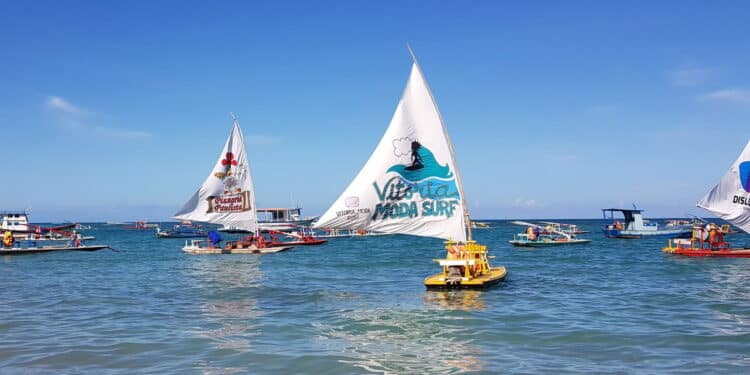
point(411, 185)
point(729, 200)
point(227, 197)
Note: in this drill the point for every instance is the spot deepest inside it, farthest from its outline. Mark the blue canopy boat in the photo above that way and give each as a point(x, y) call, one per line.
point(633, 226)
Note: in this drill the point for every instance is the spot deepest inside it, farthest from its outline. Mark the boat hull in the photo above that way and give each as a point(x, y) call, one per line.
point(524, 243)
point(250, 250)
point(297, 243)
point(719, 253)
point(490, 279)
point(180, 235)
point(635, 234)
point(46, 249)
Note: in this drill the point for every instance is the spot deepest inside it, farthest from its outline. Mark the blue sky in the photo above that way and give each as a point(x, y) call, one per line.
point(117, 111)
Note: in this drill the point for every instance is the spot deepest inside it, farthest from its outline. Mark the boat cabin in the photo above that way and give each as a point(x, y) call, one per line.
point(632, 219)
point(279, 214)
point(14, 221)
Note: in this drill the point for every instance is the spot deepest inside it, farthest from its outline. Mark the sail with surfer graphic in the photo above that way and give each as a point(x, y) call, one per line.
point(409, 185)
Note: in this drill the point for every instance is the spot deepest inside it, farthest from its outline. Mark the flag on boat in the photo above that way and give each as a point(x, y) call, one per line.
point(730, 198)
point(410, 184)
point(227, 196)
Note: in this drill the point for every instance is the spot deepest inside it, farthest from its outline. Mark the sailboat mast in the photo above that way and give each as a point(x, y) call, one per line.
point(249, 172)
point(467, 218)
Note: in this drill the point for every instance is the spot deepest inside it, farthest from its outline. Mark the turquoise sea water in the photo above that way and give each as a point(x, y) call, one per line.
point(358, 306)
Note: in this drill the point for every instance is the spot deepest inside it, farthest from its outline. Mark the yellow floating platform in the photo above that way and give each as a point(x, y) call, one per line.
point(486, 280)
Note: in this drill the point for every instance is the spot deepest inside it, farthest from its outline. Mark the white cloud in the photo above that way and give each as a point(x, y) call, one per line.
point(526, 203)
point(729, 95)
point(120, 133)
point(690, 77)
point(60, 104)
point(74, 118)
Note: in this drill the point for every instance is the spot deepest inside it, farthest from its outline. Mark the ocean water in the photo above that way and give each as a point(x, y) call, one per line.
point(358, 306)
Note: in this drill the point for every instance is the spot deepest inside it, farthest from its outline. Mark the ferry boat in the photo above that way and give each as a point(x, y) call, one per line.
point(279, 219)
point(634, 226)
point(18, 223)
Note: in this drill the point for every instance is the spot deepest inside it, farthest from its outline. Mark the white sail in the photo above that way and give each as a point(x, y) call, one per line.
point(730, 198)
point(410, 184)
point(227, 196)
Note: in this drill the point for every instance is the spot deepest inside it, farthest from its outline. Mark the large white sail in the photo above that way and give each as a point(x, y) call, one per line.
point(227, 196)
point(730, 198)
point(411, 183)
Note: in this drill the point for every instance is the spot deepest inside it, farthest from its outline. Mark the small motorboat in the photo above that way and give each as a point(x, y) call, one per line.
point(301, 238)
point(634, 226)
point(182, 230)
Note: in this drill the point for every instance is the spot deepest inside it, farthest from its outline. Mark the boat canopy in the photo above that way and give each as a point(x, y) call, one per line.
point(629, 214)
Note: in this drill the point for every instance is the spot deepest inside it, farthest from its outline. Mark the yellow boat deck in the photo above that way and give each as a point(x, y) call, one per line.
point(466, 267)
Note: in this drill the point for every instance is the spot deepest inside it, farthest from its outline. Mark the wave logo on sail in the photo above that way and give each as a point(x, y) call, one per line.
point(745, 175)
point(435, 184)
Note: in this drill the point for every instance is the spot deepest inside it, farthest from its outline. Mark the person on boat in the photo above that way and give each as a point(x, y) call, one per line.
point(457, 252)
point(618, 225)
point(530, 234)
point(715, 236)
point(8, 239)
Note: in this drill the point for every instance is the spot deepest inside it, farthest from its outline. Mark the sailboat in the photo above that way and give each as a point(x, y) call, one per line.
point(227, 197)
point(411, 185)
point(729, 200)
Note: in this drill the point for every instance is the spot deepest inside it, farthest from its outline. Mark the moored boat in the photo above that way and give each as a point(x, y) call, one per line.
point(46, 249)
point(634, 226)
point(186, 229)
point(411, 185)
point(729, 200)
point(141, 225)
point(298, 238)
point(543, 236)
point(18, 223)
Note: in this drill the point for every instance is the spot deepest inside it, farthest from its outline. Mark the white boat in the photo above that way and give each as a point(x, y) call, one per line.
point(411, 185)
point(275, 219)
point(227, 197)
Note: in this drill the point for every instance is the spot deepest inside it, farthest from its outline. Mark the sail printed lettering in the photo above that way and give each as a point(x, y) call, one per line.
point(229, 203)
point(743, 201)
